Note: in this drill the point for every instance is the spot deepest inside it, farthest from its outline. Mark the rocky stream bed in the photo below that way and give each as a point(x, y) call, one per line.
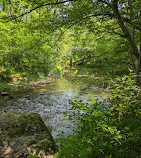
point(49, 100)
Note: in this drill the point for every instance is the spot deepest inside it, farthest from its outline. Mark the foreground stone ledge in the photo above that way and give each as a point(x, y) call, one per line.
point(24, 134)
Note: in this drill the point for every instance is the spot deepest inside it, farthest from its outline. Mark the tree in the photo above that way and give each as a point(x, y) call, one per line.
point(26, 45)
point(127, 15)
point(127, 18)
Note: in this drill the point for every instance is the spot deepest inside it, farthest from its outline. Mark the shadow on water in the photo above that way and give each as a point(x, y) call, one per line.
point(51, 99)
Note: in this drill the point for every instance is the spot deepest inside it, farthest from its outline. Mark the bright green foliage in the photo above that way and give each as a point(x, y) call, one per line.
point(26, 48)
point(106, 129)
point(91, 49)
point(110, 58)
point(40, 38)
point(32, 41)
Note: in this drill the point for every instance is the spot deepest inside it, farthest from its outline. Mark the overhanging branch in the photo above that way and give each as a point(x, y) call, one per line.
point(41, 5)
point(112, 16)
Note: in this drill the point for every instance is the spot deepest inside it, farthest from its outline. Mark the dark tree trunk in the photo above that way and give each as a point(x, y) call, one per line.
point(125, 31)
point(130, 37)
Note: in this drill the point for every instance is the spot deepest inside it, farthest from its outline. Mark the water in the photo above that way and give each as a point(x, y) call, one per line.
point(50, 100)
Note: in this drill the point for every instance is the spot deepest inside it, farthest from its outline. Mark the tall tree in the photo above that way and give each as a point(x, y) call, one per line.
point(126, 13)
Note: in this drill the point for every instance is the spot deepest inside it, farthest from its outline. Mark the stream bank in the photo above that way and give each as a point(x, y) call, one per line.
point(51, 99)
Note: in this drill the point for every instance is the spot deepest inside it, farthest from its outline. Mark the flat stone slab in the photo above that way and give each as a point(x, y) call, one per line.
point(24, 134)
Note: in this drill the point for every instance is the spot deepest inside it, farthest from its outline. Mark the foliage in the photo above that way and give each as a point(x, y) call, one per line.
point(24, 53)
point(38, 38)
point(42, 37)
point(33, 156)
point(106, 129)
point(5, 76)
point(27, 45)
point(110, 58)
point(5, 87)
point(91, 50)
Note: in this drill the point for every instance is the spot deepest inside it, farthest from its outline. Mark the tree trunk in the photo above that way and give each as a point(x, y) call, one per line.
point(130, 37)
point(125, 30)
point(138, 78)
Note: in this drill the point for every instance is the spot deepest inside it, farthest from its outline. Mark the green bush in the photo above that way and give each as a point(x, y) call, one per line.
point(5, 76)
point(106, 129)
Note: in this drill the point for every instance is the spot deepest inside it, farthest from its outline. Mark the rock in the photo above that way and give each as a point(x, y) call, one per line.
point(24, 134)
point(4, 93)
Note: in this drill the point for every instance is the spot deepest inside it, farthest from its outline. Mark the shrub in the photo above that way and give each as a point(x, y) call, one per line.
point(106, 130)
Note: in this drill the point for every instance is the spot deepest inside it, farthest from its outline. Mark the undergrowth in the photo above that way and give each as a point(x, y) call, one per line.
point(108, 129)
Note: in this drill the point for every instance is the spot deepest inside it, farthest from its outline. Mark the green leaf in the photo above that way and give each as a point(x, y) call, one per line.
point(85, 152)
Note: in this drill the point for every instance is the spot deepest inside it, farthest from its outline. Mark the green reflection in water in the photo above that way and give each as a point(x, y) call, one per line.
point(83, 84)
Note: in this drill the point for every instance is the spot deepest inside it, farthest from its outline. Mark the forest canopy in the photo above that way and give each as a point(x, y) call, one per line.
point(42, 37)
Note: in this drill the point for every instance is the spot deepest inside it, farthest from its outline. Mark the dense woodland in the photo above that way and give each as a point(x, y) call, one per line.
point(42, 38)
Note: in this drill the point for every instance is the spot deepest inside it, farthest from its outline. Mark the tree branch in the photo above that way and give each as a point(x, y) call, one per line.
point(112, 16)
point(41, 5)
point(94, 15)
point(125, 30)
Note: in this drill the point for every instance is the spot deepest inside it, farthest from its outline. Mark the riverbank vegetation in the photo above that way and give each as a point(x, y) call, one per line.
point(97, 37)
point(110, 128)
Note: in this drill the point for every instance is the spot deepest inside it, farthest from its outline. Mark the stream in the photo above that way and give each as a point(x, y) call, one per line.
point(50, 100)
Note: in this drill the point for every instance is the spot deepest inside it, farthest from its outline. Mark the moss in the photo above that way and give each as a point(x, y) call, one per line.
point(26, 130)
point(21, 123)
point(25, 124)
